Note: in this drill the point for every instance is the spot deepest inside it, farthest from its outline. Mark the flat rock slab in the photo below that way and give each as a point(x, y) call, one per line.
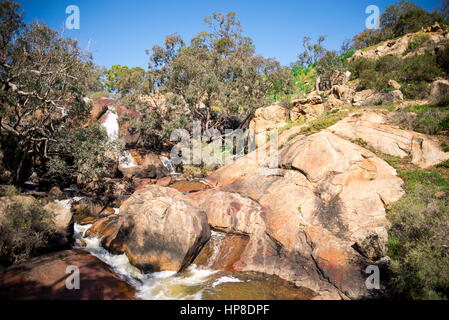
point(44, 278)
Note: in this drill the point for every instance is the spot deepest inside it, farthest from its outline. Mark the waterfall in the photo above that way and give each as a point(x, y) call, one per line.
point(216, 239)
point(169, 165)
point(112, 129)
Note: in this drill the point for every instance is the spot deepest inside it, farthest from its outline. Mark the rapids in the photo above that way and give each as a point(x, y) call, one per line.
point(194, 283)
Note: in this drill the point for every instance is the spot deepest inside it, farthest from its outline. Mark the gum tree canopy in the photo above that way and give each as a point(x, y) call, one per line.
point(218, 74)
point(43, 81)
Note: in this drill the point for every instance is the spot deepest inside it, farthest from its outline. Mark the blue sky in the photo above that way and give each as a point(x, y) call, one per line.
point(120, 31)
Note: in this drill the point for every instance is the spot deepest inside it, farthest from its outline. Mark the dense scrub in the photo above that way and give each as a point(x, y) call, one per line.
point(25, 229)
point(413, 73)
point(425, 119)
point(419, 237)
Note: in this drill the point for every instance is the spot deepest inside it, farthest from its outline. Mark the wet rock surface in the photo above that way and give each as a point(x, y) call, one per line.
point(44, 278)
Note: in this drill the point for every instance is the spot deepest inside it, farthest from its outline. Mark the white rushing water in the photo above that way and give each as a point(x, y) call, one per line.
point(166, 285)
point(112, 129)
point(169, 165)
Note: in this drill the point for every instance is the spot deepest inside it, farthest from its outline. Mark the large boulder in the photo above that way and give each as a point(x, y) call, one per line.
point(63, 222)
point(314, 218)
point(268, 118)
point(369, 128)
point(332, 79)
point(44, 278)
point(158, 229)
point(307, 108)
point(440, 91)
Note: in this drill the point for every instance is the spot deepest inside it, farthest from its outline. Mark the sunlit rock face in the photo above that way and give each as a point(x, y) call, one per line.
point(158, 228)
point(317, 221)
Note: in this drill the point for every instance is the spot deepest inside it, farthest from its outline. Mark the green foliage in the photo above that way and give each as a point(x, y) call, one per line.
point(312, 52)
point(330, 62)
point(444, 164)
point(418, 41)
point(348, 54)
point(44, 79)
point(124, 80)
point(218, 75)
point(419, 238)
point(303, 79)
point(8, 190)
point(398, 19)
point(425, 119)
point(413, 73)
point(24, 230)
point(442, 56)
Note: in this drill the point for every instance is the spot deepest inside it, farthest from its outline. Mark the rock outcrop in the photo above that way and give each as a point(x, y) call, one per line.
point(149, 166)
point(424, 150)
point(440, 91)
point(44, 278)
point(158, 229)
point(268, 118)
point(307, 108)
point(63, 222)
point(398, 47)
point(334, 78)
point(312, 221)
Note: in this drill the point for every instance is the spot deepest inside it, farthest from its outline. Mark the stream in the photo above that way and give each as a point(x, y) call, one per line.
point(194, 283)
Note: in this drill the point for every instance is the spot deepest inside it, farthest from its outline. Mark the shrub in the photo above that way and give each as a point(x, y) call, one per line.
point(348, 54)
point(418, 41)
point(425, 119)
point(415, 89)
point(25, 229)
point(419, 237)
point(414, 73)
point(442, 57)
point(331, 61)
point(420, 68)
point(8, 190)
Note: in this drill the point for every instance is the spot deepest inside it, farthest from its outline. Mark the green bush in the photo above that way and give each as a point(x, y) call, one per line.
point(8, 190)
point(425, 119)
point(25, 229)
point(413, 73)
point(442, 56)
point(331, 61)
point(346, 55)
point(418, 41)
point(419, 237)
point(420, 68)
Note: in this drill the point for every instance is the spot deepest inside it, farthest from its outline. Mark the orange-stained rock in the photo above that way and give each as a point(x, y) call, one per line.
point(108, 211)
point(87, 220)
point(325, 182)
point(164, 182)
point(44, 278)
point(222, 252)
point(98, 227)
point(188, 186)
